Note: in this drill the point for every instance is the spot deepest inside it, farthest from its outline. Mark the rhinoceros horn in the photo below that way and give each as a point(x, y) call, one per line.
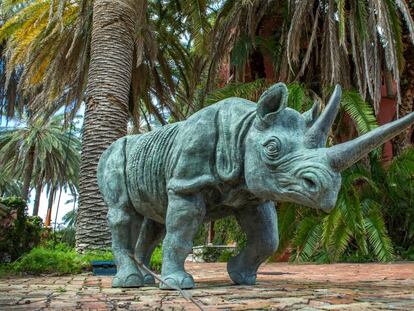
point(317, 135)
point(344, 155)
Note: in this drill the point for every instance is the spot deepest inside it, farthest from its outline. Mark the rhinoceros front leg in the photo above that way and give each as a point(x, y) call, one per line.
point(184, 215)
point(260, 225)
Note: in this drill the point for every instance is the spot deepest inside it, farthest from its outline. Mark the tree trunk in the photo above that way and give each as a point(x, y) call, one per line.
point(407, 90)
point(28, 172)
point(49, 207)
point(36, 202)
point(106, 115)
point(211, 233)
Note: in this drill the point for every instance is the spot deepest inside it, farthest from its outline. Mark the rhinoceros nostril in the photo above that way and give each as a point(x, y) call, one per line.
point(310, 183)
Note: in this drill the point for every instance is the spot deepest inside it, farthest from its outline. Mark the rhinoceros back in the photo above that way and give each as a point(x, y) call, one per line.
point(149, 159)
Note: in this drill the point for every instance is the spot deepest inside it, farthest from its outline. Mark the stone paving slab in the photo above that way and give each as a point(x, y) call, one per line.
point(280, 286)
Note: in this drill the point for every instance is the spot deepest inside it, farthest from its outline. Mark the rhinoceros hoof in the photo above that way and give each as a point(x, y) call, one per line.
point(149, 279)
point(181, 280)
point(127, 280)
point(242, 278)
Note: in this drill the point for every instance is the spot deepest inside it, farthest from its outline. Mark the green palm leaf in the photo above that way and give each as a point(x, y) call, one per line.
point(377, 234)
point(359, 111)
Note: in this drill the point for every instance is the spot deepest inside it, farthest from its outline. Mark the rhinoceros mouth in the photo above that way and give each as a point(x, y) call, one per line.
point(299, 196)
point(307, 186)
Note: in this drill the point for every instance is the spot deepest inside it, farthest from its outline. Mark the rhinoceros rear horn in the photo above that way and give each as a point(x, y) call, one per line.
point(311, 115)
point(317, 135)
point(273, 100)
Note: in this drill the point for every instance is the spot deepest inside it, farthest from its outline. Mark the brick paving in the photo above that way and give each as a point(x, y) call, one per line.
point(280, 286)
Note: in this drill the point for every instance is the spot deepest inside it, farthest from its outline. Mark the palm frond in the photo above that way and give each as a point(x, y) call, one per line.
point(307, 239)
point(377, 235)
point(360, 111)
point(250, 91)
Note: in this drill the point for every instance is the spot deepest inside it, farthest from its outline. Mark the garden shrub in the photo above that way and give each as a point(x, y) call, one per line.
point(407, 254)
point(211, 254)
point(216, 254)
point(19, 233)
point(44, 260)
point(226, 255)
point(61, 258)
point(227, 230)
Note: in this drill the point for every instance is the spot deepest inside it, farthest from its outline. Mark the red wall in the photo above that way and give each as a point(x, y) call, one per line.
point(387, 113)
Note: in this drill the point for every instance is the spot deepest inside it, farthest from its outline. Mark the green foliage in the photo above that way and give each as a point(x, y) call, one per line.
point(60, 258)
point(9, 186)
point(211, 254)
point(407, 254)
point(356, 230)
point(225, 255)
point(359, 111)
point(56, 151)
point(88, 257)
point(368, 203)
point(298, 97)
point(241, 51)
point(227, 230)
point(44, 260)
point(69, 219)
point(396, 195)
point(67, 234)
point(19, 233)
point(156, 259)
point(216, 254)
point(250, 91)
point(64, 235)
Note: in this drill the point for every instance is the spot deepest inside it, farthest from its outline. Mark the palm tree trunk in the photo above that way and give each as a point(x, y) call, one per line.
point(28, 172)
point(407, 90)
point(36, 202)
point(210, 233)
point(106, 115)
point(49, 207)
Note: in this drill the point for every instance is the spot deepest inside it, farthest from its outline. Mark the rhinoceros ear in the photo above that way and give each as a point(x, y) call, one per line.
point(272, 101)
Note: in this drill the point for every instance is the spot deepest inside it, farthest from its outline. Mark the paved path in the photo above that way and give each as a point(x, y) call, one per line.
point(280, 287)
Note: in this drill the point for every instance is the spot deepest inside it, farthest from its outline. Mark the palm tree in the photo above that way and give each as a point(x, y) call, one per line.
point(106, 115)
point(9, 186)
point(40, 44)
point(61, 41)
point(40, 154)
point(353, 43)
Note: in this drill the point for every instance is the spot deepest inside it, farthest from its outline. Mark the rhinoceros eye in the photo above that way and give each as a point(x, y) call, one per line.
point(272, 148)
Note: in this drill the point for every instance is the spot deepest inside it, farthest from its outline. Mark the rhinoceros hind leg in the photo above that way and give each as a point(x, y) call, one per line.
point(260, 225)
point(124, 224)
point(149, 237)
point(179, 279)
point(123, 220)
point(184, 215)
